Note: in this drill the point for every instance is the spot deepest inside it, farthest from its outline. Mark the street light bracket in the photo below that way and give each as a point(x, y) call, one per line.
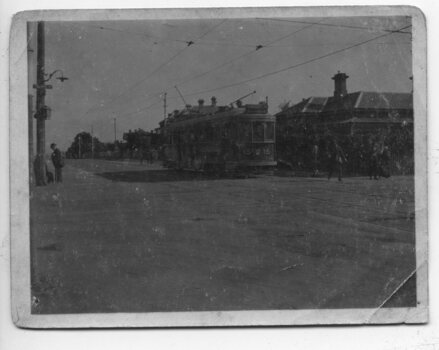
point(62, 78)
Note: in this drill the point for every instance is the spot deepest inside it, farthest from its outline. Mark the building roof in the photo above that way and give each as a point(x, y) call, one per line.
point(315, 105)
point(386, 100)
point(347, 102)
point(309, 105)
point(371, 100)
point(354, 101)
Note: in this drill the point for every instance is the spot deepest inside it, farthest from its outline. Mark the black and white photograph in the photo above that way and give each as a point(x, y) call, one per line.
point(218, 167)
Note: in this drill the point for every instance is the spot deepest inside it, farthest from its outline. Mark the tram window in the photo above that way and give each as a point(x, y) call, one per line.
point(269, 131)
point(233, 130)
point(258, 131)
point(227, 130)
point(203, 132)
point(224, 131)
point(245, 130)
point(217, 132)
point(209, 133)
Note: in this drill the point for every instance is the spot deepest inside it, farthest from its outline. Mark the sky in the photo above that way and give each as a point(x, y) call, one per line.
point(119, 70)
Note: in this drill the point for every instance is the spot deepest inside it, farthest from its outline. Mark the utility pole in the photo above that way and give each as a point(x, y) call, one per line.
point(40, 162)
point(30, 129)
point(30, 120)
point(114, 122)
point(164, 105)
point(42, 111)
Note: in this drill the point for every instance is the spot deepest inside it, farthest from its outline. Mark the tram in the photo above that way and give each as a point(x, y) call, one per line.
point(219, 138)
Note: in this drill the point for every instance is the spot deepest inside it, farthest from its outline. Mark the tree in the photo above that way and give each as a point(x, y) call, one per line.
point(82, 146)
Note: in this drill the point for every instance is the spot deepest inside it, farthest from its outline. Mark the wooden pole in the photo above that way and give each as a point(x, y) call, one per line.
point(40, 161)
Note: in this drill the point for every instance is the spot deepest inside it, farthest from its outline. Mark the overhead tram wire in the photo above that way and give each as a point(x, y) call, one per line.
point(336, 25)
point(280, 70)
point(275, 41)
point(148, 107)
point(222, 43)
point(140, 109)
point(297, 65)
point(188, 44)
point(309, 24)
point(144, 35)
point(332, 53)
point(181, 41)
point(291, 34)
point(257, 48)
point(277, 71)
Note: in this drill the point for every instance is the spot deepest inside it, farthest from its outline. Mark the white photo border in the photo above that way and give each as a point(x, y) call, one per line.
point(20, 192)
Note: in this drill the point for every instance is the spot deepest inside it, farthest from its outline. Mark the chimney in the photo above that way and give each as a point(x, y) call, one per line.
point(200, 102)
point(213, 101)
point(340, 85)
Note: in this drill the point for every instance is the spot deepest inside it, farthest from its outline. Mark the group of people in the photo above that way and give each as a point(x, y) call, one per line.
point(150, 155)
point(377, 160)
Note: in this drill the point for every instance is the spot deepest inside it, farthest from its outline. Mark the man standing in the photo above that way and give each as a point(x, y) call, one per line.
point(58, 162)
point(315, 158)
point(336, 159)
point(374, 162)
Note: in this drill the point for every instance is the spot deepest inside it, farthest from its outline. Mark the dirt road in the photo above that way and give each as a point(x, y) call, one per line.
point(125, 237)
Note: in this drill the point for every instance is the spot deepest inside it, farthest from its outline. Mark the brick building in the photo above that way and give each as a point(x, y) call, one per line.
point(358, 121)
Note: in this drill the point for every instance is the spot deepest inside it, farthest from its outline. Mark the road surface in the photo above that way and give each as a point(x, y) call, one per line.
point(125, 237)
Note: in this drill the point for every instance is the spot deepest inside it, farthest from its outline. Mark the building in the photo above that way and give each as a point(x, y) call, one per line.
point(358, 121)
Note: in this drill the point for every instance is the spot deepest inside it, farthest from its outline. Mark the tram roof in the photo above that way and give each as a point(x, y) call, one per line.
point(216, 113)
point(221, 117)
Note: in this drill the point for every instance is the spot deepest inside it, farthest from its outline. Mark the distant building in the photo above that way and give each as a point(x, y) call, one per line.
point(356, 120)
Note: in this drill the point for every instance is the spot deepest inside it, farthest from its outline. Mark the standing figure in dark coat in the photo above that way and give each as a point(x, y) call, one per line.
point(57, 161)
point(384, 162)
point(374, 163)
point(315, 159)
point(336, 159)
